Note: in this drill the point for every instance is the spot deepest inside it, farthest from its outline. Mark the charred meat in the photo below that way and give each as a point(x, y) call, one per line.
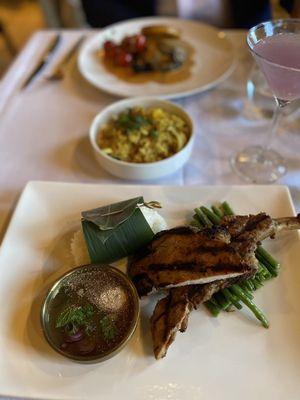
point(195, 264)
point(171, 313)
point(187, 256)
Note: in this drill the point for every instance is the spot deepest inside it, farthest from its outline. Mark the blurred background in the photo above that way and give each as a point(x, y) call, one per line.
point(19, 19)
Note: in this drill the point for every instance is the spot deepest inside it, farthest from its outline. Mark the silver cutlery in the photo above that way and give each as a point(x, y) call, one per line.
point(59, 71)
point(45, 58)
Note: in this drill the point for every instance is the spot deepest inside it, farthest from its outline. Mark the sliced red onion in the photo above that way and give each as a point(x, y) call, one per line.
point(74, 337)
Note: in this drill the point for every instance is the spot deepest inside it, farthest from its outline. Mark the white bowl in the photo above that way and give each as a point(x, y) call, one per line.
point(128, 170)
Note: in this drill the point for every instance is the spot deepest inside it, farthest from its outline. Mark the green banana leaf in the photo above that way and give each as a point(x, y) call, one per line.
point(115, 231)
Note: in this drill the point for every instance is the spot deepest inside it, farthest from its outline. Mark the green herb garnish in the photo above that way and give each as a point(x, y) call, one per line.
point(108, 328)
point(73, 317)
point(154, 134)
point(130, 121)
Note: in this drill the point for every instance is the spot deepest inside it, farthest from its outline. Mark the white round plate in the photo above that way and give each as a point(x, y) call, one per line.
point(213, 59)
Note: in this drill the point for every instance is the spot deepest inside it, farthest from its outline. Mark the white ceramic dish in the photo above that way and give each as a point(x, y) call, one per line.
point(213, 59)
point(140, 171)
point(229, 357)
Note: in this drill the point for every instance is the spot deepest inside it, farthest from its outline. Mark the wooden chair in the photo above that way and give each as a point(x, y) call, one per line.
point(7, 40)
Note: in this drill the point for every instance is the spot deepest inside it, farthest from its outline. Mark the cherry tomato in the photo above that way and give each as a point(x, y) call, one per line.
point(109, 49)
point(126, 43)
point(123, 59)
point(108, 45)
point(140, 43)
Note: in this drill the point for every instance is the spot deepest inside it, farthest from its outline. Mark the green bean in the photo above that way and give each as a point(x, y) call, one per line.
point(205, 221)
point(251, 285)
point(215, 310)
point(196, 223)
point(217, 211)
point(260, 279)
point(248, 285)
point(233, 299)
point(221, 299)
point(196, 218)
point(267, 256)
point(256, 284)
point(265, 270)
point(210, 215)
point(227, 209)
point(256, 311)
point(246, 290)
point(273, 271)
point(242, 292)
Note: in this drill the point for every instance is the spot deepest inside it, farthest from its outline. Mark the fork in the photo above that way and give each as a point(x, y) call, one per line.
point(59, 71)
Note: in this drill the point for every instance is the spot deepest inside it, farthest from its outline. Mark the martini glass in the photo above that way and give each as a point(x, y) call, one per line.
point(275, 46)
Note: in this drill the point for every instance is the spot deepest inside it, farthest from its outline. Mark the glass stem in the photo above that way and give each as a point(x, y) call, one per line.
point(274, 124)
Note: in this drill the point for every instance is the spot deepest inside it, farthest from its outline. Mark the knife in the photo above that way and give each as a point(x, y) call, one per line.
point(44, 59)
point(58, 72)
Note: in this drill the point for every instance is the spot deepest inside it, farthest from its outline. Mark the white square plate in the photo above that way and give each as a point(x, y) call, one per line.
point(228, 357)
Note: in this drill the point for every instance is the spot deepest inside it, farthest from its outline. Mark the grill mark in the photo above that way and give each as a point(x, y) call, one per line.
point(143, 283)
point(172, 267)
point(168, 308)
point(190, 267)
point(215, 250)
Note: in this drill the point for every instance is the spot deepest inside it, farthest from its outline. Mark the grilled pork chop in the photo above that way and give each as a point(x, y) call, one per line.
point(171, 313)
point(184, 255)
point(197, 264)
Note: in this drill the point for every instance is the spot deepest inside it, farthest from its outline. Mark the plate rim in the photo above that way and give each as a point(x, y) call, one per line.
point(32, 183)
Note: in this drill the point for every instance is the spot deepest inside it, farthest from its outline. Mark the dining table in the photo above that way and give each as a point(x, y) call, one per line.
point(44, 127)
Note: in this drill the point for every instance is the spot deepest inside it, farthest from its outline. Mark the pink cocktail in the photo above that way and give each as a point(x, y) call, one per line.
point(279, 59)
point(275, 46)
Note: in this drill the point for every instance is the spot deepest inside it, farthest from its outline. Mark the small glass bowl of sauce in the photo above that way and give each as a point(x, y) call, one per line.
point(90, 313)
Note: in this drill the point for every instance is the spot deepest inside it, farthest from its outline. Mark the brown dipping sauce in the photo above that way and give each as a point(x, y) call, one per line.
point(92, 312)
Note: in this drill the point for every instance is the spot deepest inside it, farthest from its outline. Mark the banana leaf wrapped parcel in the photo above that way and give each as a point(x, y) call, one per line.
point(116, 230)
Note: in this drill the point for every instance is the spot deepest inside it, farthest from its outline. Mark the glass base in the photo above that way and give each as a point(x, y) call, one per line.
point(258, 165)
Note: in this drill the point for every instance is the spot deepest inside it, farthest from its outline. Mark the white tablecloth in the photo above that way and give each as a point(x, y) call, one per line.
point(43, 131)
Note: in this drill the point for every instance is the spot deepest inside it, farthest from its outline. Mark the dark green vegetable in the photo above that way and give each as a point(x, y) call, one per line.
point(231, 298)
point(249, 303)
point(227, 209)
point(267, 256)
point(226, 298)
point(74, 317)
point(222, 300)
point(210, 215)
point(273, 271)
point(197, 219)
point(108, 328)
point(250, 284)
point(213, 308)
point(130, 121)
point(246, 290)
point(154, 134)
point(202, 217)
point(217, 211)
